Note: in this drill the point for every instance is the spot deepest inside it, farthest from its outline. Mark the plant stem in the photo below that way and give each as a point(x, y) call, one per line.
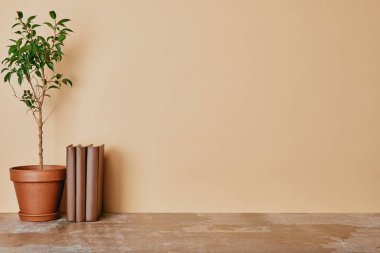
point(40, 149)
point(40, 120)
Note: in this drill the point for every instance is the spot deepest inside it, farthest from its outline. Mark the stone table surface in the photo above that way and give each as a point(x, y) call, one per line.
point(196, 232)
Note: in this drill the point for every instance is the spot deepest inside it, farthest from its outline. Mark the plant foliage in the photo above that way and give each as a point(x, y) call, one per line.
point(31, 61)
point(30, 54)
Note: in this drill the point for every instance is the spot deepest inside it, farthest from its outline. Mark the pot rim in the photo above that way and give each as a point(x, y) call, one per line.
point(32, 173)
point(49, 167)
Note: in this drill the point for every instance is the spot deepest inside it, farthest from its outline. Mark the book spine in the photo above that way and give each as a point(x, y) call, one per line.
point(100, 180)
point(80, 184)
point(70, 170)
point(92, 184)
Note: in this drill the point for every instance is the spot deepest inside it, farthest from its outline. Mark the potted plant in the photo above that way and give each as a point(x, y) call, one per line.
point(30, 62)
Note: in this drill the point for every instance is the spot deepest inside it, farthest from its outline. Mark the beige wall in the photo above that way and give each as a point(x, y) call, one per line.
point(213, 106)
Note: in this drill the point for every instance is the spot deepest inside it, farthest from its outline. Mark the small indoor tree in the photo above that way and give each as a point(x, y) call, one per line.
point(31, 61)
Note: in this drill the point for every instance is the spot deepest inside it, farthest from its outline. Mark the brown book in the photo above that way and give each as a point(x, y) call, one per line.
point(80, 184)
point(100, 180)
point(70, 175)
point(92, 184)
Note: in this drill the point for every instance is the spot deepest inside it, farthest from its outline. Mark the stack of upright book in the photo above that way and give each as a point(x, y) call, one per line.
point(85, 172)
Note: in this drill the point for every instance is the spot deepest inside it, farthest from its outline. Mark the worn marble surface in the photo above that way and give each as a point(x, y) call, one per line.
point(262, 233)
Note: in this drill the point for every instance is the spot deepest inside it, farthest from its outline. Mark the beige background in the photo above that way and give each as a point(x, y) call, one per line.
point(213, 106)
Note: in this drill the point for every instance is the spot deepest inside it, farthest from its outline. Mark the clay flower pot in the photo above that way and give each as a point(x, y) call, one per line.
point(39, 192)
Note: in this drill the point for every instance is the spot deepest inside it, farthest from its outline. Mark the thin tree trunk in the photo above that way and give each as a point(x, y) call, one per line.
point(40, 149)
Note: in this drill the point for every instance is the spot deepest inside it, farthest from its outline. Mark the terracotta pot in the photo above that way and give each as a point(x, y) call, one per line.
point(39, 192)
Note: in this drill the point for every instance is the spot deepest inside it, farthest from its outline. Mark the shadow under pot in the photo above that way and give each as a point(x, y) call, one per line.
point(39, 192)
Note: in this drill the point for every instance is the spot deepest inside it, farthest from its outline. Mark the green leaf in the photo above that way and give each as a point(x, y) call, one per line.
point(58, 47)
point(63, 21)
point(7, 77)
point(11, 50)
point(28, 103)
point(19, 80)
point(49, 25)
point(24, 70)
point(67, 81)
point(35, 25)
point(50, 65)
point(5, 60)
point(20, 15)
point(31, 18)
point(68, 30)
point(61, 38)
point(38, 73)
point(42, 39)
point(52, 14)
point(4, 70)
point(13, 26)
point(53, 87)
point(59, 76)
